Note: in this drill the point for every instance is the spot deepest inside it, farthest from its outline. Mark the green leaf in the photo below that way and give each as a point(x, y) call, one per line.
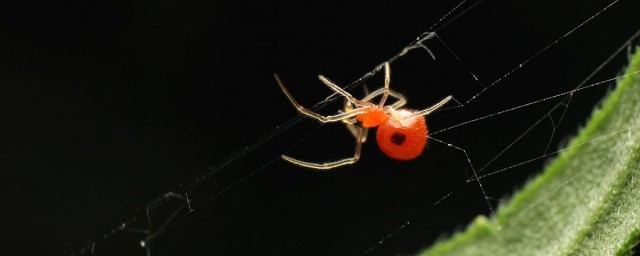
point(586, 202)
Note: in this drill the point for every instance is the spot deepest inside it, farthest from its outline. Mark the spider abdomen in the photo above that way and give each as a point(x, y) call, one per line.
point(404, 141)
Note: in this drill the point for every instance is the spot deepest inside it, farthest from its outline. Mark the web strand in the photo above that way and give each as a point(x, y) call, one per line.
point(606, 136)
point(568, 96)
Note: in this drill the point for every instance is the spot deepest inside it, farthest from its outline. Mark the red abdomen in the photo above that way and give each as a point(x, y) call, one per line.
point(403, 142)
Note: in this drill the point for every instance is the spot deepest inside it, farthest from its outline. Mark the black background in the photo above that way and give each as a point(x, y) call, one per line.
point(111, 105)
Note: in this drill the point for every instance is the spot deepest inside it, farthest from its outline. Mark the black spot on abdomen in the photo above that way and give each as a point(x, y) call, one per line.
point(398, 138)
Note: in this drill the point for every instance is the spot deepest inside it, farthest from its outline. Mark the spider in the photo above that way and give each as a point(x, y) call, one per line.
point(402, 133)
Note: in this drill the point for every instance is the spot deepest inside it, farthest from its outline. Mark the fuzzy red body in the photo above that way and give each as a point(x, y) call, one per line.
point(401, 141)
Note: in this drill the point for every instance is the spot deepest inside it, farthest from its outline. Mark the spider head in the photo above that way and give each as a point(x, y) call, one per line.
point(372, 117)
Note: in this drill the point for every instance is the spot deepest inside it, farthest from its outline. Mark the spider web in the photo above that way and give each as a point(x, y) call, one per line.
point(155, 218)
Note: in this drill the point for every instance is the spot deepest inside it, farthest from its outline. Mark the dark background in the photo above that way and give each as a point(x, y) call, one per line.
point(112, 105)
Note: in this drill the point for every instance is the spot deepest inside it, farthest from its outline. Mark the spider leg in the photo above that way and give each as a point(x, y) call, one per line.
point(429, 35)
point(354, 131)
point(339, 90)
point(387, 81)
point(402, 100)
point(321, 118)
point(360, 138)
point(364, 87)
point(350, 121)
point(431, 109)
point(392, 111)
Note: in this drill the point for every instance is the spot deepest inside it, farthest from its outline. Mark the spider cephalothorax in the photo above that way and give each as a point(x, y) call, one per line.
point(402, 133)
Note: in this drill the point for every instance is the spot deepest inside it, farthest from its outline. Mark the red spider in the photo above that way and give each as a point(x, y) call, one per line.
point(402, 133)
